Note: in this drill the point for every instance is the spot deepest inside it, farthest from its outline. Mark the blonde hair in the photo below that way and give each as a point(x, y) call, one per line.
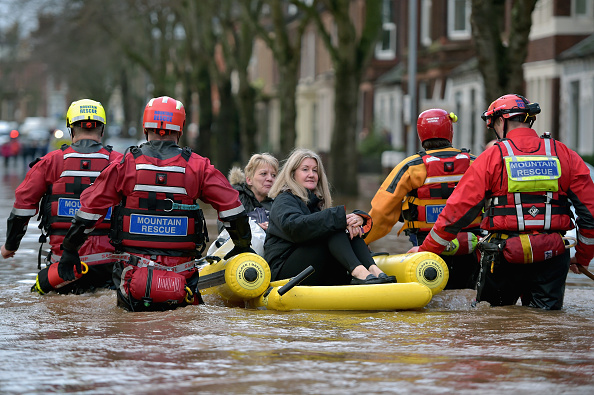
point(237, 176)
point(286, 178)
point(258, 160)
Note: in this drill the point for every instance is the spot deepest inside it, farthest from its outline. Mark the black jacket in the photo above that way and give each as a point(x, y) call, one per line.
point(249, 201)
point(292, 223)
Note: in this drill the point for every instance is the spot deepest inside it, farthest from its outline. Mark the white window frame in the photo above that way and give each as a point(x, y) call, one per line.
point(388, 26)
point(587, 14)
point(459, 34)
point(426, 7)
point(308, 57)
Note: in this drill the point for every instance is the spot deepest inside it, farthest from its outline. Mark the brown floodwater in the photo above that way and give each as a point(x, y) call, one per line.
point(85, 344)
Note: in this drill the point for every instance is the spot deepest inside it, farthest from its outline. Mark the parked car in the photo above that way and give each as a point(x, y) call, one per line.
point(10, 145)
point(58, 137)
point(35, 136)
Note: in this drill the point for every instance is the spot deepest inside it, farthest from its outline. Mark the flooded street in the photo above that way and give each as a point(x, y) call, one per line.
point(85, 344)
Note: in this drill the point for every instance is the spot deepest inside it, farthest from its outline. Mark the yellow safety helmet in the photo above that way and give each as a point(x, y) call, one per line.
point(85, 110)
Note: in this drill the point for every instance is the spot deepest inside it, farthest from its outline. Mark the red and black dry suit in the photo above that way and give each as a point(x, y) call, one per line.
point(486, 185)
point(145, 185)
point(415, 192)
point(57, 180)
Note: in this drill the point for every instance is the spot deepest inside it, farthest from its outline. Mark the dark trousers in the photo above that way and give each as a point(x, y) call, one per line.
point(333, 260)
point(99, 276)
point(538, 284)
point(463, 270)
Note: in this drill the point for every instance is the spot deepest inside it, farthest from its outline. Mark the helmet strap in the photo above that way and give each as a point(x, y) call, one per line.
point(531, 122)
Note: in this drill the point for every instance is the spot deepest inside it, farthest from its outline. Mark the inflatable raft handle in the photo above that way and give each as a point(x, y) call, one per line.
point(211, 259)
point(296, 280)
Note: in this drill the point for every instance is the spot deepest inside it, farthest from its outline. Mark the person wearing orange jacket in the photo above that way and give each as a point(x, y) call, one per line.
point(416, 191)
point(57, 180)
point(525, 185)
point(158, 227)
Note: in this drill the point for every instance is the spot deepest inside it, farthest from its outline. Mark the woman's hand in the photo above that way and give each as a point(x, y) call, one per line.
point(354, 231)
point(354, 225)
point(263, 225)
point(354, 220)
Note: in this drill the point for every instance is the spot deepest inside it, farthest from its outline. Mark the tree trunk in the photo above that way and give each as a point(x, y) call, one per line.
point(287, 89)
point(246, 103)
point(501, 63)
point(204, 89)
point(225, 129)
point(344, 157)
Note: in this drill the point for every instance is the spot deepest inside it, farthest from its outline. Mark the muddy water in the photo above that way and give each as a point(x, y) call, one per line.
point(85, 344)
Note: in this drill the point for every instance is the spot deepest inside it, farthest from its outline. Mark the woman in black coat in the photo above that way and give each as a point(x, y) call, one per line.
point(253, 185)
point(305, 230)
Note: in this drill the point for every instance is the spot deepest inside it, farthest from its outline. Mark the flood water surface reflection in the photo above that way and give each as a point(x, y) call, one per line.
point(85, 344)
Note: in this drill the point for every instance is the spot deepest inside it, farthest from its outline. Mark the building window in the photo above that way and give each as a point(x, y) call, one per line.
point(308, 57)
point(426, 6)
point(459, 19)
point(581, 7)
point(386, 47)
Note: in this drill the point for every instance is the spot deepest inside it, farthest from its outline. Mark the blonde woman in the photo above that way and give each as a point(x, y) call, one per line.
point(253, 185)
point(304, 229)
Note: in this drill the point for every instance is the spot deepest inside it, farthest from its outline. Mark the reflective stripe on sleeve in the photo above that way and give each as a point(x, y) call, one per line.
point(24, 212)
point(87, 216)
point(231, 213)
point(586, 240)
point(438, 239)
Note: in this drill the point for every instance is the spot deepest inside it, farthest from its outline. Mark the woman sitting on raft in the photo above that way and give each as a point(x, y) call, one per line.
point(253, 185)
point(305, 230)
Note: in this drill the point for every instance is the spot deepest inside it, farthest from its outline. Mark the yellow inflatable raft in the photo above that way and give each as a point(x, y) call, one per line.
point(246, 278)
point(426, 268)
point(399, 296)
point(243, 277)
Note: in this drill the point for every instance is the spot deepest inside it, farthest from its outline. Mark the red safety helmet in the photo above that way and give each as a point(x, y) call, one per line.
point(511, 105)
point(436, 124)
point(165, 115)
